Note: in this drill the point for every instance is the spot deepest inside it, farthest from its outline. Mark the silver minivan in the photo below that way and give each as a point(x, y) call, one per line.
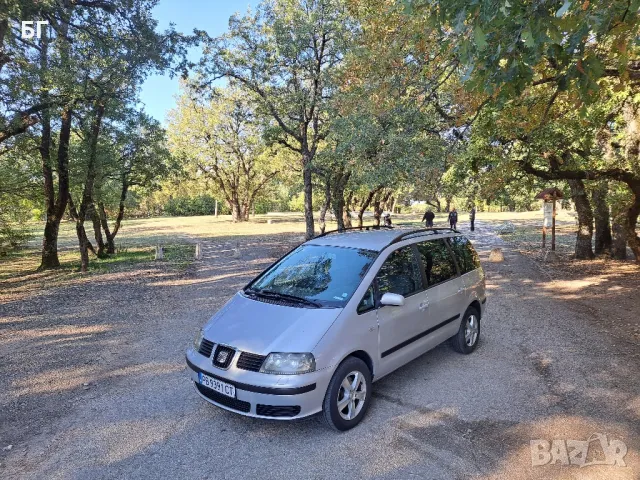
point(314, 330)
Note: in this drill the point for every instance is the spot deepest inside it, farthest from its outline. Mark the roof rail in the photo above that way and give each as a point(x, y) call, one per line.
point(365, 228)
point(434, 230)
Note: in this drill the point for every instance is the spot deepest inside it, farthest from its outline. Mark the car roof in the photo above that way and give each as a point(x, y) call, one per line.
point(378, 239)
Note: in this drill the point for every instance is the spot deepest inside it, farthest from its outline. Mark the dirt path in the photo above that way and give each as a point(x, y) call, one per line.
point(544, 370)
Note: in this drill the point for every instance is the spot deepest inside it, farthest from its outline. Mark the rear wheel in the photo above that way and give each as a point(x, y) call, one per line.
point(348, 394)
point(466, 340)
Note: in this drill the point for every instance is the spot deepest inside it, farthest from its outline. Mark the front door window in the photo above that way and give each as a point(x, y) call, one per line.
point(400, 273)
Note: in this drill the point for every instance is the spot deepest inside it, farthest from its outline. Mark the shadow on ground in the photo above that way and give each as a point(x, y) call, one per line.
point(94, 385)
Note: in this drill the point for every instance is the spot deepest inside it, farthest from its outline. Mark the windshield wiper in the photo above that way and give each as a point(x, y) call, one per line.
point(284, 296)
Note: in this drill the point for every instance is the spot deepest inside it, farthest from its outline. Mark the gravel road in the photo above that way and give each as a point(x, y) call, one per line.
point(93, 384)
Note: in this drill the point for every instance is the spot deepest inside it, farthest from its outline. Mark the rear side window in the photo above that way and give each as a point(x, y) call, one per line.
point(465, 253)
point(437, 262)
point(400, 273)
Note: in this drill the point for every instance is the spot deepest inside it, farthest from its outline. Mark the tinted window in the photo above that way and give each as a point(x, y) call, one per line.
point(328, 275)
point(399, 273)
point(368, 301)
point(436, 261)
point(465, 253)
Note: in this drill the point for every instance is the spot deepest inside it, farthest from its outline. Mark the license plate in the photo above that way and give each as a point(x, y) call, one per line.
point(215, 384)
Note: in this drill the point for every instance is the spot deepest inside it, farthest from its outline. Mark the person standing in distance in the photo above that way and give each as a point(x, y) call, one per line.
point(472, 217)
point(453, 218)
point(428, 217)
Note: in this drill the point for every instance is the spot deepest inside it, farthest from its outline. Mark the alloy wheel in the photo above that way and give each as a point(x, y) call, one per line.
point(471, 330)
point(351, 395)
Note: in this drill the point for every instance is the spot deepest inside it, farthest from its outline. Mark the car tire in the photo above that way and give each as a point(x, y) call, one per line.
point(468, 336)
point(354, 401)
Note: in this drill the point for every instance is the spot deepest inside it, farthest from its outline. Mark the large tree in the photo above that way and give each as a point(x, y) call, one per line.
point(566, 69)
point(90, 51)
point(285, 55)
point(221, 138)
point(135, 156)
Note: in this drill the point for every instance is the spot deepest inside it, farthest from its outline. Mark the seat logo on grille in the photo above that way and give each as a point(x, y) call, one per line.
point(222, 356)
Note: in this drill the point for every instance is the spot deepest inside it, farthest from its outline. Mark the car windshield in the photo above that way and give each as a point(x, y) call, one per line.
point(319, 275)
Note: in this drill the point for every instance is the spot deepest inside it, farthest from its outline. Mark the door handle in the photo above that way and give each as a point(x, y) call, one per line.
point(460, 289)
point(423, 306)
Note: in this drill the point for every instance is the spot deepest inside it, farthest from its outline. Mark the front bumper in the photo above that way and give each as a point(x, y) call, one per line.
point(260, 395)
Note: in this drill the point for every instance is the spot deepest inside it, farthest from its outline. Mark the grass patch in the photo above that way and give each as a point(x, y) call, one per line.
point(179, 255)
point(21, 262)
point(70, 260)
point(530, 239)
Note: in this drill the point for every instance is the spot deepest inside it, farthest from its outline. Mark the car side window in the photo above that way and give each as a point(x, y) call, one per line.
point(437, 262)
point(400, 273)
point(368, 301)
point(467, 256)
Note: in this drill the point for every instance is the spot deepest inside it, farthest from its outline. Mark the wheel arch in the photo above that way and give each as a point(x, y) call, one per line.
point(476, 304)
point(365, 357)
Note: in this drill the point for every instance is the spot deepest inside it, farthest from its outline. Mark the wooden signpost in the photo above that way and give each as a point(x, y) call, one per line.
point(549, 196)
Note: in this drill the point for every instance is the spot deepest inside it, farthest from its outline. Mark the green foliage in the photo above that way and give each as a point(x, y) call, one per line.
point(221, 139)
point(285, 56)
point(13, 234)
point(296, 203)
point(506, 45)
point(199, 205)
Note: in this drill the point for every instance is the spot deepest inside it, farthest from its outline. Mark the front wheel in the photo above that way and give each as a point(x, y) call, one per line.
point(466, 340)
point(348, 395)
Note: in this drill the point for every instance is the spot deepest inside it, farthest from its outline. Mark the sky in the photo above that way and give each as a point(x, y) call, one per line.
point(158, 91)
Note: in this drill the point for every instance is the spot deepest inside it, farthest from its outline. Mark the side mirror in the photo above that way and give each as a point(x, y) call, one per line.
point(393, 299)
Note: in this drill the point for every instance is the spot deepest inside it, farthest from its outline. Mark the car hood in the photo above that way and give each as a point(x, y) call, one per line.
point(262, 328)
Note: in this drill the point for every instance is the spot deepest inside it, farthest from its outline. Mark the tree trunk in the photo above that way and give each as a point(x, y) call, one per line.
point(390, 204)
point(245, 212)
point(583, 250)
point(603, 239)
point(337, 205)
point(366, 202)
point(337, 197)
point(326, 204)
point(111, 248)
point(116, 227)
point(346, 218)
point(619, 241)
point(377, 213)
point(435, 203)
point(73, 213)
point(84, 248)
point(97, 232)
point(87, 193)
point(631, 221)
point(378, 205)
point(308, 196)
point(55, 206)
point(236, 214)
point(52, 223)
point(50, 244)
point(447, 205)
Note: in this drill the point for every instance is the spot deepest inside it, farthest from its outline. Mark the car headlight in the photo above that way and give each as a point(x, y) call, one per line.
point(289, 363)
point(198, 340)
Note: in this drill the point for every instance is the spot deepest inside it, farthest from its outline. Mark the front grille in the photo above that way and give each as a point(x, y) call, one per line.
point(223, 356)
point(277, 410)
point(233, 403)
point(205, 348)
point(250, 361)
